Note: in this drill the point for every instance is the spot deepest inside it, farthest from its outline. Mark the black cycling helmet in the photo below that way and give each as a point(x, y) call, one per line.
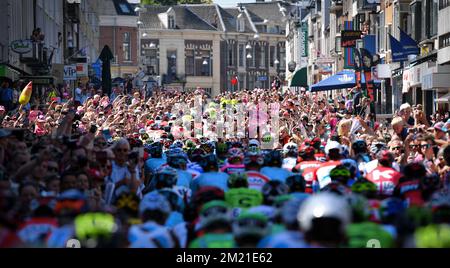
point(156, 150)
point(238, 180)
point(272, 189)
point(209, 162)
point(296, 183)
point(274, 158)
point(359, 146)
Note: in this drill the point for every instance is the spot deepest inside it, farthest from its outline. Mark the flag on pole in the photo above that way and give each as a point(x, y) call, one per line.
point(25, 96)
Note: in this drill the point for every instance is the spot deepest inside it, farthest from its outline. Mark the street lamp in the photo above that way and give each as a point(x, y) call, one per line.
point(152, 45)
point(139, 22)
point(144, 35)
point(248, 46)
point(249, 56)
point(276, 62)
point(205, 62)
point(138, 9)
point(256, 36)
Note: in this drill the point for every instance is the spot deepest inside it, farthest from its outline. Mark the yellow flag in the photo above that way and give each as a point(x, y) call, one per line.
point(26, 94)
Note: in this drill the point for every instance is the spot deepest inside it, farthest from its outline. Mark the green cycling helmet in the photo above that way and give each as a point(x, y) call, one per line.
point(433, 236)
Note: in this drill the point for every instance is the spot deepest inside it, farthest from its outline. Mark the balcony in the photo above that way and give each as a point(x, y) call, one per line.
point(37, 58)
point(366, 5)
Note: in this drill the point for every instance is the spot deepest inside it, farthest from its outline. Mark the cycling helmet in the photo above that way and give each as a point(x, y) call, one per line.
point(222, 148)
point(176, 144)
point(274, 158)
point(352, 166)
point(290, 149)
point(359, 146)
point(251, 225)
point(156, 150)
point(307, 153)
point(209, 162)
point(377, 146)
point(176, 158)
point(253, 158)
point(235, 153)
point(189, 145)
point(154, 202)
point(214, 212)
point(95, 229)
point(315, 211)
point(316, 143)
point(175, 200)
point(253, 143)
point(165, 177)
point(365, 187)
point(333, 145)
point(296, 183)
point(71, 203)
point(336, 188)
point(206, 194)
point(433, 236)
point(272, 189)
point(196, 155)
point(340, 174)
point(238, 180)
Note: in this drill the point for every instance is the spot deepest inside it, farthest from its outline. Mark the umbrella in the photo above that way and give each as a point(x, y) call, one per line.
point(106, 56)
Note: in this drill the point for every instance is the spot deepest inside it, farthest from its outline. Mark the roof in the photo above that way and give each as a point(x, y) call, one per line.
point(117, 7)
point(266, 10)
point(214, 17)
point(184, 18)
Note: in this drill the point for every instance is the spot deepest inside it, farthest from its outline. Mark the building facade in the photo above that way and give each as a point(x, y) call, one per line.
point(422, 79)
point(207, 46)
point(118, 30)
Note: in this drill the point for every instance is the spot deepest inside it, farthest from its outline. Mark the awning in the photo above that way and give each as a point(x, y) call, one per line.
point(342, 79)
point(300, 78)
point(443, 99)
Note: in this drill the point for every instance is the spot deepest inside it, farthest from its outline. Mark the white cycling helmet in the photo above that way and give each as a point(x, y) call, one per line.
point(333, 145)
point(324, 205)
point(290, 147)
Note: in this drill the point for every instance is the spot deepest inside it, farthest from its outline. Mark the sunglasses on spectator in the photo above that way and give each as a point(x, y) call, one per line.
point(397, 148)
point(425, 146)
point(413, 146)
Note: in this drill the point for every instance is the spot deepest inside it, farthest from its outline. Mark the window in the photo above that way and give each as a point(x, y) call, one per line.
point(171, 23)
point(126, 47)
point(230, 54)
point(241, 55)
point(190, 62)
point(251, 82)
point(241, 25)
point(443, 4)
point(153, 66)
point(171, 64)
point(263, 56)
point(241, 81)
point(124, 8)
point(416, 19)
point(198, 62)
point(429, 24)
point(272, 55)
point(282, 57)
point(444, 40)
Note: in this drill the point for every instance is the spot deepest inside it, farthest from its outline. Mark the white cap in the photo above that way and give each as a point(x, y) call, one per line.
point(404, 106)
point(333, 145)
